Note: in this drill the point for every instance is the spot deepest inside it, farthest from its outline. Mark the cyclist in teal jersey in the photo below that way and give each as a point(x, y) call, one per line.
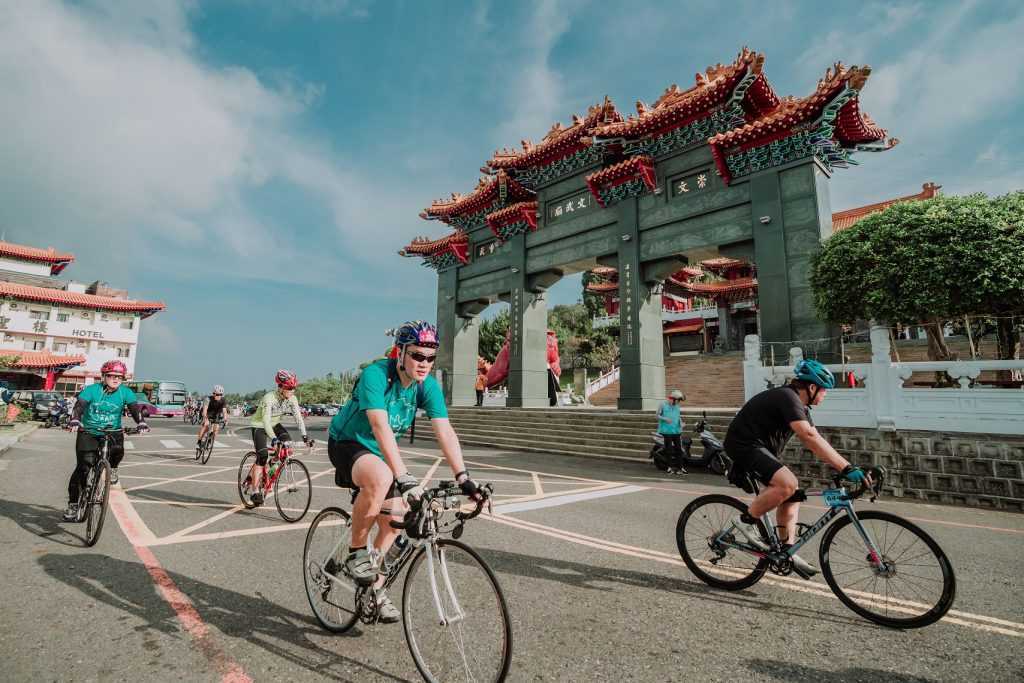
point(99, 408)
point(363, 446)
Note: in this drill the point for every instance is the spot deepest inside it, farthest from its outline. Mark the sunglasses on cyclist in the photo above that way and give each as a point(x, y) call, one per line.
point(422, 357)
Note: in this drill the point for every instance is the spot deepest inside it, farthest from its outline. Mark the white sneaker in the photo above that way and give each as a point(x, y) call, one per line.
point(113, 475)
point(749, 533)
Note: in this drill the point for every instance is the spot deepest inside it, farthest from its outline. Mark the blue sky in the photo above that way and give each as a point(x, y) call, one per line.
point(257, 164)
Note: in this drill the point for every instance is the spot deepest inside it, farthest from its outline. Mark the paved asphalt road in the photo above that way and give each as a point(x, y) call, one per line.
point(184, 586)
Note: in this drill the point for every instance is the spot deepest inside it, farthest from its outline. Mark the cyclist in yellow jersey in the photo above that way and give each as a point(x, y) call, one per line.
point(266, 424)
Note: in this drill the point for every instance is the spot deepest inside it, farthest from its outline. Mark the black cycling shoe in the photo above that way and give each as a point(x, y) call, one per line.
point(257, 499)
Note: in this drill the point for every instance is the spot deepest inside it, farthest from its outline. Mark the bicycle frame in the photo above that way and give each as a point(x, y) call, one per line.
point(268, 481)
point(837, 501)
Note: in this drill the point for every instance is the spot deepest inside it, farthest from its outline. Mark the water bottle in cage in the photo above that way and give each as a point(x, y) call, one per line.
point(396, 550)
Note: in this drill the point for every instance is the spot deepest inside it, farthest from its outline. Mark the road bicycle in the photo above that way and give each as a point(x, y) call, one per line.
point(205, 447)
point(283, 474)
point(883, 567)
point(93, 497)
point(454, 614)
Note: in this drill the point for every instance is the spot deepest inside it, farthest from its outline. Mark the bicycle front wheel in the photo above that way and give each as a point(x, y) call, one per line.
point(700, 524)
point(245, 487)
point(96, 510)
point(207, 448)
point(331, 594)
point(293, 491)
point(915, 588)
point(455, 616)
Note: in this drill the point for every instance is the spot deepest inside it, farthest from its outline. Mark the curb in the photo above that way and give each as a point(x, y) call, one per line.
point(17, 433)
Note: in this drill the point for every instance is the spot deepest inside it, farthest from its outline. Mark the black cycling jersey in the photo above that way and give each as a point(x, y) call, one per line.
point(215, 408)
point(763, 422)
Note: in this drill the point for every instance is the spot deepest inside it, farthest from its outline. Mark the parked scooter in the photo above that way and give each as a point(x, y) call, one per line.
point(714, 457)
point(58, 416)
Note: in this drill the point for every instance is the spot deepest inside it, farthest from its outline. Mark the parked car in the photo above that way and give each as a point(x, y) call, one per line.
point(145, 406)
point(23, 399)
point(42, 401)
point(331, 411)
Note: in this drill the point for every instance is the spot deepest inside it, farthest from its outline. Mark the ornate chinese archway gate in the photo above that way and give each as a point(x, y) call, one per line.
point(725, 167)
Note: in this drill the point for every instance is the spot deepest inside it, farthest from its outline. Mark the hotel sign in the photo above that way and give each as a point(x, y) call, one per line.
point(89, 334)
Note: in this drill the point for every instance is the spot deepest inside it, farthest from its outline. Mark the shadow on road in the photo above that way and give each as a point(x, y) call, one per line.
point(43, 521)
point(272, 628)
point(796, 672)
point(592, 576)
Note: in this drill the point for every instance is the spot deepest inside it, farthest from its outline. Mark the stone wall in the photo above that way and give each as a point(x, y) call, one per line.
point(977, 470)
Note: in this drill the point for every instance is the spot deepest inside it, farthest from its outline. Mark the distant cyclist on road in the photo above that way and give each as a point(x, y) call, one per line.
point(214, 412)
point(363, 446)
point(266, 425)
point(755, 441)
point(99, 408)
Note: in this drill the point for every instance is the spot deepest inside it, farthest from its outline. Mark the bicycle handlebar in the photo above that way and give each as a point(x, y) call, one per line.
point(445, 490)
point(876, 476)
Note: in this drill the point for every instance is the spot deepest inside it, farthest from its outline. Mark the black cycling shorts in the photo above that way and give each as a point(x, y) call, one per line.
point(760, 462)
point(343, 455)
point(260, 441)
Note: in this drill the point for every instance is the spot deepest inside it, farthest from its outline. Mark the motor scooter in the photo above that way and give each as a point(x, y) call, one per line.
point(713, 458)
point(58, 415)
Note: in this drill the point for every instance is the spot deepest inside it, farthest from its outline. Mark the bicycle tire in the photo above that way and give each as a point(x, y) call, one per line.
point(932, 613)
point(314, 581)
point(288, 466)
point(96, 502)
point(243, 474)
point(715, 523)
point(467, 600)
point(207, 448)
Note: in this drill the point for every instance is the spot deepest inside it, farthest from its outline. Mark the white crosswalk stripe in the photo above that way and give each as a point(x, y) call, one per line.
point(129, 446)
point(220, 444)
point(170, 443)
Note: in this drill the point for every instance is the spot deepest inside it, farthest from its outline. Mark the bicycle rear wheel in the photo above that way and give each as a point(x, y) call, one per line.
point(96, 502)
point(476, 642)
point(331, 594)
point(700, 523)
point(293, 490)
point(245, 489)
point(917, 587)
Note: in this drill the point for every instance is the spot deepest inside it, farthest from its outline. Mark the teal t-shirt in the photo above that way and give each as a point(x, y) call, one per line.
point(673, 414)
point(373, 393)
point(105, 409)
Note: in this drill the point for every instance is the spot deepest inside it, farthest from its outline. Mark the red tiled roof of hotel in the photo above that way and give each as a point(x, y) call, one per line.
point(487, 190)
point(58, 296)
point(41, 359)
point(559, 142)
point(678, 107)
point(426, 246)
point(56, 259)
point(844, 219)
point(683, 326)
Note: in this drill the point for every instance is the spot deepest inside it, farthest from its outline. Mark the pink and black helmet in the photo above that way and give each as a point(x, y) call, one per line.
point(286, 379)
point(114, 367)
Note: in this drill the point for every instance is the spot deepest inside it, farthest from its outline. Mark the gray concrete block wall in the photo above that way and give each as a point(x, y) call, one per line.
point(978, 470)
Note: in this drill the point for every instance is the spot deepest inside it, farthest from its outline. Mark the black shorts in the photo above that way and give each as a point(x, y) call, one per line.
point(343, 455)
point(758, 462)
point(260, 441)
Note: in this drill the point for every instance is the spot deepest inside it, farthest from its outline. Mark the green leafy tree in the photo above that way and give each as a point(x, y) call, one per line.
point(492, 334)
point(9, 361)
point(925, 263)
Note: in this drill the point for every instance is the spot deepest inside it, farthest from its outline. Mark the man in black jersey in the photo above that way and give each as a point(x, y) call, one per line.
point(755, 441)
point(214, 413)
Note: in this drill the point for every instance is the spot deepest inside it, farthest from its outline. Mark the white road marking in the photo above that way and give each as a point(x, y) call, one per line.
point(553, 501)
point(3, 465)
point(170, 443)
point(220, 444)
point(129, 446)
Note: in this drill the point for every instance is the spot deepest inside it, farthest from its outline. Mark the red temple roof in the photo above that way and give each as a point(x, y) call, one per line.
point(678, 107)
point(59, 296)
point(487, 190)
point(57, 260)
point(41, 359)
point(559, 142)
point(683, 326)
point(602, 287)
point(845, 219)
point(424, 246)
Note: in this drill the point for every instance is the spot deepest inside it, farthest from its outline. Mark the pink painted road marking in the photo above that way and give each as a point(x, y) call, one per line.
point(229, 670)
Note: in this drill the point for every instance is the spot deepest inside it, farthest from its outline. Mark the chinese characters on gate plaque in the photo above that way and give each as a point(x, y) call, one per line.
point(695, 183)
point(570, 207)
point(486, 249)
point(627, 304)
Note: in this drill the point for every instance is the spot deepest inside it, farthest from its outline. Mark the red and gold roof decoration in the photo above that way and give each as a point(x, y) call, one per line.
point(845, 219)
point(637, 168)
point(603, 287)
point(41, 360)
point(559, 142)
point(440, 253)
point(739, 289)
point(92, 301)
point(850, 126)
point(522, 214)
point(489, 190)
point(57, 260)
point(677, 107)
point(678, 326)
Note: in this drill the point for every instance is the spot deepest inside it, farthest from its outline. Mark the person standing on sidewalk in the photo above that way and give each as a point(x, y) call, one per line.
point(481, 384)
point(670, 426)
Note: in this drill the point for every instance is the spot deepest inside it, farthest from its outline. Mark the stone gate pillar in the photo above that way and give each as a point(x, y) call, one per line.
point(642, 371)
point(528, 327)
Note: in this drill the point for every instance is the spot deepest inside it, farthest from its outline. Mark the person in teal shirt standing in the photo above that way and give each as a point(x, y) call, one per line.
point(670, 426)
point(98, 409)
point(363, 447)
